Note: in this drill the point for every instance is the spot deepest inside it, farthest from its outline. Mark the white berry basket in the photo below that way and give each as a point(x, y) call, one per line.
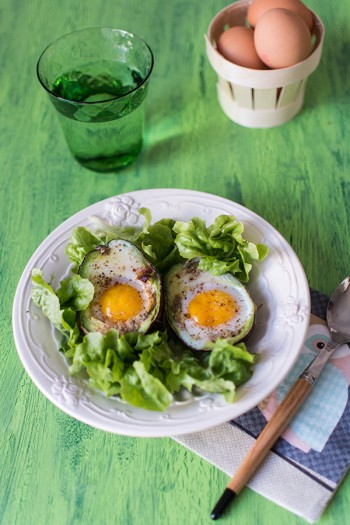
point(259, 98)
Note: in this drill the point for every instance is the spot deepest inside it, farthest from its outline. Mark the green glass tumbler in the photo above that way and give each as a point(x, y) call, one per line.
point(97, 80)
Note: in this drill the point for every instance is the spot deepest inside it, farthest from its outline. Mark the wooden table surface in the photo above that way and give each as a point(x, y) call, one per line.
point(53, 469)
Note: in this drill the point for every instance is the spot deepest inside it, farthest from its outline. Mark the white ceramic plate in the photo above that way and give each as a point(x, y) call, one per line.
point(278, 286)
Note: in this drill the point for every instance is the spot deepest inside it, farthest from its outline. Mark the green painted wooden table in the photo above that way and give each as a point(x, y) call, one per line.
point(53, 469)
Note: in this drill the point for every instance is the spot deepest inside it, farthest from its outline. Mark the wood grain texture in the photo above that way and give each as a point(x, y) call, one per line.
point(269, 435)
point(53, 469)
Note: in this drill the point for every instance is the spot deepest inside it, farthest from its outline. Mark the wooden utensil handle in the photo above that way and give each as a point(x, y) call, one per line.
point(271, 432)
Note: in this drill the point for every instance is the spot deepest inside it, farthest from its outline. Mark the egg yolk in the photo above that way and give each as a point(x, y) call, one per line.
point(212, 307)
point(121, 302)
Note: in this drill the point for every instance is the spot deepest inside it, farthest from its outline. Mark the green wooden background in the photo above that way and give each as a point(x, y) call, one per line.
point(53, 469)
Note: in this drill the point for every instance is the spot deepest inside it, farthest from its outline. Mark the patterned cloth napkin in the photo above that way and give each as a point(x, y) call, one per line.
point(307, 464)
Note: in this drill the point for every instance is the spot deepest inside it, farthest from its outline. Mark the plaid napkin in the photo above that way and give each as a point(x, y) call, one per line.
point(309, 461)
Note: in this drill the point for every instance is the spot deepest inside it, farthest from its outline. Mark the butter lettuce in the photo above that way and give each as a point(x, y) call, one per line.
point(156, 241)
point(142, 389)
point(81, 242)
point(73, 295)
point(145, 370)
point(221, 246)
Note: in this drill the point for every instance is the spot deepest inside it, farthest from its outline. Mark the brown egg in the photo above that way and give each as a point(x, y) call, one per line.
point(258, 7)
point(282, 38)
point(236, 44)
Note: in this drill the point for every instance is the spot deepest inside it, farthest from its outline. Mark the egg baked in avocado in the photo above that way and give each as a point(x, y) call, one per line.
point(127, 289)
point(201, 307)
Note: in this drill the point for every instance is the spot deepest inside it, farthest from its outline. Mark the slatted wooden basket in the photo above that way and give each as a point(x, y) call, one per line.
point(259, 98)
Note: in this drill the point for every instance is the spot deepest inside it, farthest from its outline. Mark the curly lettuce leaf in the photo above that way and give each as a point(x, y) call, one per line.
point(74, 294)
point(107, 232)
point(157, 241)
point(46, 299)
point(145, 371)
point(81, 242)
point(221, 371)
point(221, 246)
point(231, 362)
point(115, 365)
point(142, 389)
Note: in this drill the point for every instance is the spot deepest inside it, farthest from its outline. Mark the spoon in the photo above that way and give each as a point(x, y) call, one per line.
point(338, 321)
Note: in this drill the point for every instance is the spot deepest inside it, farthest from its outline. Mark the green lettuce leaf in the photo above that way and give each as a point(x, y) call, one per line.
point(145, 371)
point(142, 389)
point(81, 242)
point(157, 241)
point(107, 232)
point(231, 362)
point(115, 366)
point(98, 355)
point(220, 246)
point(45, 298)
point(221, 370)
point(76, 293)
point(63, 319)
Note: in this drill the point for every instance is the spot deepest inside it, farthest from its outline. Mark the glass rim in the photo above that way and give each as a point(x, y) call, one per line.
point(95, 102)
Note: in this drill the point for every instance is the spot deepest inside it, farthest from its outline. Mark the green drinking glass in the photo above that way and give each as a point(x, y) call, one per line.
point(97, 80)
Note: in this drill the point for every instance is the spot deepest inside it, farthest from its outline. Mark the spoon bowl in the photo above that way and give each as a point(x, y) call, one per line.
point(338, 317)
